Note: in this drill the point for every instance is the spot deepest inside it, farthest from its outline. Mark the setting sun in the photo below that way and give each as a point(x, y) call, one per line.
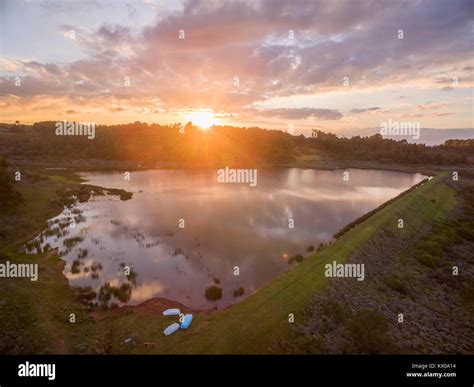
point(202, 118)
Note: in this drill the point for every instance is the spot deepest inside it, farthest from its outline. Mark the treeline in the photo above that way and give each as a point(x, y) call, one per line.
point(466, 146)
point(378, 148)
point(149, 144)
point(223, 145)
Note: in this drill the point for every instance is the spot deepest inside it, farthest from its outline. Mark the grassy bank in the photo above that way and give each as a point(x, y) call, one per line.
point(35, 316)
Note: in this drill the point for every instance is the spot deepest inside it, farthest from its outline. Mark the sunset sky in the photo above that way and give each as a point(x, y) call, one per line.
point(269, 63)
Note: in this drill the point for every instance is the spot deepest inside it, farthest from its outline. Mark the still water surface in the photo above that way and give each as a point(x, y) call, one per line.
point(225, 226)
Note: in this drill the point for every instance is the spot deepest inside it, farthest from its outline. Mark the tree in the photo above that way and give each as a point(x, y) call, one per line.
point(8, 196)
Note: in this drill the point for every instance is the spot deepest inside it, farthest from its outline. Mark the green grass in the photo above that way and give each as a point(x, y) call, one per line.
point(42, 201)
point(255, 325)
point(38, 312)
point(46, 303)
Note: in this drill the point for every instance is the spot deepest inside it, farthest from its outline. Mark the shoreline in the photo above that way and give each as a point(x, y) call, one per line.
point(156, 305)
point(98, 165)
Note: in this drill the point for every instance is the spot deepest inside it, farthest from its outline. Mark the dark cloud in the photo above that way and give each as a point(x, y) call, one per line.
point(113, 33)
point(370, 109)
point(442, 114)
point(301, 113)
point(249, 40)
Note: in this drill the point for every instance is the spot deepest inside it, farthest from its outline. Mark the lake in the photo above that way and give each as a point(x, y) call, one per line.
point(183, 231)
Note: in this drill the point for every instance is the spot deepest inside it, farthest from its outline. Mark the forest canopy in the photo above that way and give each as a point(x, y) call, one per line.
point(222, 145)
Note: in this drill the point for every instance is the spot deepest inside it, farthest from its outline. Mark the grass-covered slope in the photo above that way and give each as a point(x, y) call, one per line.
point(417, 297)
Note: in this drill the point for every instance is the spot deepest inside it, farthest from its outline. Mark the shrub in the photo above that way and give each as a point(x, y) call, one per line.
point(70, 242)
point(467, 294)
point(213, 293)
point(370, 331)
point(396, 284)
point(427, 259)
point(82, 253)
point(296, 258)
point(335, 311)
point(466, 233)
point(431, 247)
point(123, 293)
point(9, 198)
point(239, 292)
point(76, 267)
point(85, 294)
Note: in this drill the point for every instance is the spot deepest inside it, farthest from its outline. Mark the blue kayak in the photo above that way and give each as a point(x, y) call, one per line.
point(171, 312)
point(171, 329)
point(188, 318)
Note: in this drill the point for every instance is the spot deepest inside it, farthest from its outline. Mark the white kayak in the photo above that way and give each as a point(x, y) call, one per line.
point(171, 329)
point(171, 312)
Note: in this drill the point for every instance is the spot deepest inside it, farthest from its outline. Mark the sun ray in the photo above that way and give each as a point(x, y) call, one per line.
point(202, 118)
